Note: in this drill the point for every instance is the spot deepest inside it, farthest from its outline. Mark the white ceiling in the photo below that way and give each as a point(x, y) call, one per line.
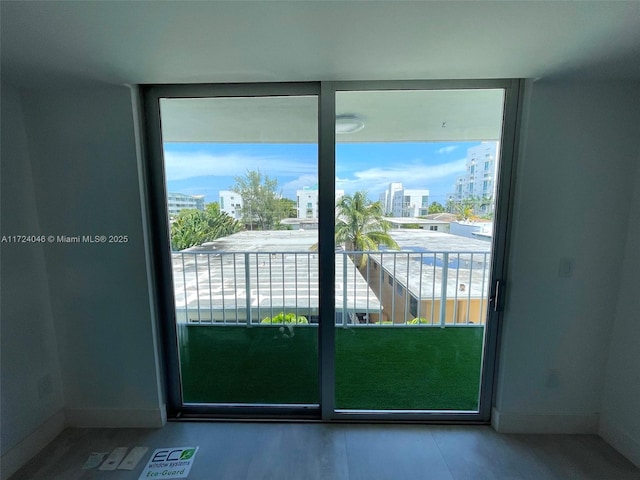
point(51, 43)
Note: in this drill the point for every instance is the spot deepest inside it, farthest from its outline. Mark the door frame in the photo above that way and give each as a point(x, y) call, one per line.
point(154, 192)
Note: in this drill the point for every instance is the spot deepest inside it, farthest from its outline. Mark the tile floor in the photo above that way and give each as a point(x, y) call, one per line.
point(309, 451)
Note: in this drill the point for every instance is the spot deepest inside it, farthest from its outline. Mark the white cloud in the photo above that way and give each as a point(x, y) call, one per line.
point(445, 150)
point(181, 165)
point(371, 187)
point(411, 175)
point(307, 180)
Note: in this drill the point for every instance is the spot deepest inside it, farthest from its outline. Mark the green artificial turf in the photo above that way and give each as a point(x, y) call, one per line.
point(261, 364)
point(376, 367)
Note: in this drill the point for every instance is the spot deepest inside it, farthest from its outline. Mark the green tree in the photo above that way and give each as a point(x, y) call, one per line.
point(472, 207)
point(360, 225)
point(212, 209)
point(261, 204)
point(465, 210)
point(451, 206)
point(194, 227)
point(485, 205)
point(435, 207)
point(287, 208)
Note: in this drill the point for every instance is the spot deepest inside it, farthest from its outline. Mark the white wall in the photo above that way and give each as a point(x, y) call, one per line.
point(467, 229)
point(32, 393)
point(620, 419)
point(83, 151)
point(228, 205)
point(573, 190)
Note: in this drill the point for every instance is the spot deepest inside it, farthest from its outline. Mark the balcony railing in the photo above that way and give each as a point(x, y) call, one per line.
point(392, 288)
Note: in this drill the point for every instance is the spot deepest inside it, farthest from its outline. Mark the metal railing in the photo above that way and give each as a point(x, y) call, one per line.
point(381, 288)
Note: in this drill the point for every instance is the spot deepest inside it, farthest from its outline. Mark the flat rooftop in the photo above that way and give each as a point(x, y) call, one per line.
point(302, 240)
point(280, 269)
point(415, 221)
point(428, 241)
point(262, 241)
point(423, 272)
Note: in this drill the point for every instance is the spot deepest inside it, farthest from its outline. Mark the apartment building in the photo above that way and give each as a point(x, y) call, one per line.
point(387, 197)
point(410, 203)
point(231, 203)
point(479, 180)
point(180, 201)
point(307, 202)
point(404, 202)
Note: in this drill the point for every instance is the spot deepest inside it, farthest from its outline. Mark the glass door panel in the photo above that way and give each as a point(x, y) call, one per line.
point(241, 178)
point(416, 178)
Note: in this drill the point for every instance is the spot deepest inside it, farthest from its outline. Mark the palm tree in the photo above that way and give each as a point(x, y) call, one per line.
point(464, 212)
point(361, 226)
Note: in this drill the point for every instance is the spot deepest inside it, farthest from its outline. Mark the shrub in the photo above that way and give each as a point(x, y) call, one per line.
point(286, 318)
point(418, 321)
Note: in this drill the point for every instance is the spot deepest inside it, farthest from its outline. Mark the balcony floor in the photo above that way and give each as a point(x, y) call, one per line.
point(377, 367)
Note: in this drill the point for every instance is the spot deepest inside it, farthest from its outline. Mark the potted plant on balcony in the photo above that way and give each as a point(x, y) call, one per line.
point(289, 318)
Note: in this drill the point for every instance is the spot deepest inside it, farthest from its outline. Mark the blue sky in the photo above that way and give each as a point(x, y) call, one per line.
point(207, 168)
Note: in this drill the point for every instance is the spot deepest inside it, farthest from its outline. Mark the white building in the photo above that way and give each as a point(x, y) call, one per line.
point(410, 203)
point(231, 203)
point(386, 198)
point(478, 230)
point(479, 178)
point(307, 202)
point(180, 201)
point(403, 202)
point(415, 223)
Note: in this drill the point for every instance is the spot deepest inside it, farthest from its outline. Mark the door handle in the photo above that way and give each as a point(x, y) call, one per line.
point(495, 298)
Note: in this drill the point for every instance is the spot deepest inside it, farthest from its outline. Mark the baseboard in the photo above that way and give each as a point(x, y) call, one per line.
point(540, 423)
point(621, 441)
point(116, 418)
point(19, 455)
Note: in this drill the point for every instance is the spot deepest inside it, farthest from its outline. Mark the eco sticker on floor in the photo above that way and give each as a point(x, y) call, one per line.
point(173, 462)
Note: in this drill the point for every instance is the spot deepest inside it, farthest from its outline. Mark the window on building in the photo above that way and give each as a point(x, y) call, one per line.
point(413, 306)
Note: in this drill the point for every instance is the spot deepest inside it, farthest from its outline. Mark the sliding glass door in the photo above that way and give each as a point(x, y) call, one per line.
point(240, 192)
point(416, 176)
point(330, 250)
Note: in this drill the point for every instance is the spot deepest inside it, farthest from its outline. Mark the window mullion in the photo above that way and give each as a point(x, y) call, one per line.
point(326, 247)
